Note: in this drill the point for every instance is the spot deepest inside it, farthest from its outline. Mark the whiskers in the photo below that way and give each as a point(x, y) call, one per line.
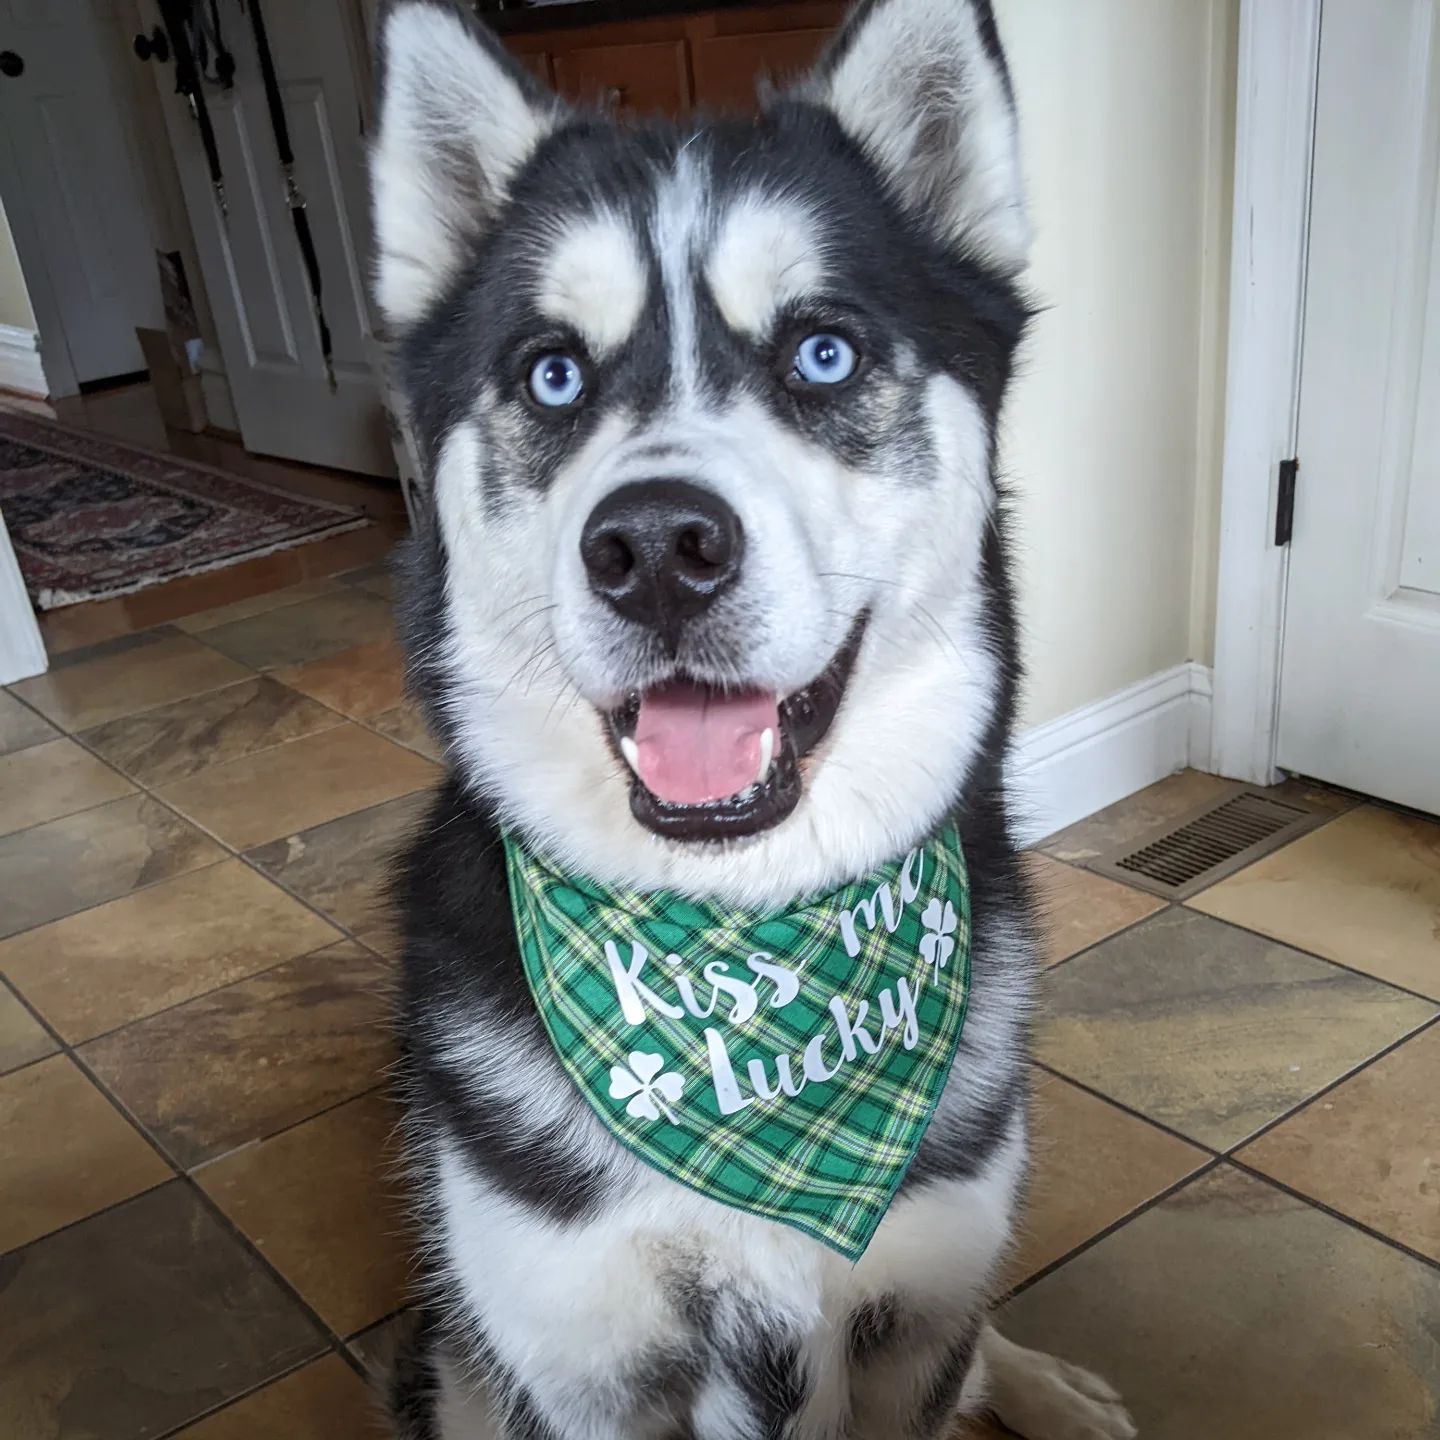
point(535, 671)
point(922, 614)
point(532, 669)
point(524, 620)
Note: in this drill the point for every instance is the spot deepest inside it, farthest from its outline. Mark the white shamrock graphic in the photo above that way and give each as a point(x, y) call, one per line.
point(936, 945)
point(645, 1087)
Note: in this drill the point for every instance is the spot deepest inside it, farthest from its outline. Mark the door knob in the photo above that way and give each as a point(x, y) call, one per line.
point(156, 43)
point(11, 64)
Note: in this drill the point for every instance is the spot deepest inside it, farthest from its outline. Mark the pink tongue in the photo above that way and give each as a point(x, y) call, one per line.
point(696, 744)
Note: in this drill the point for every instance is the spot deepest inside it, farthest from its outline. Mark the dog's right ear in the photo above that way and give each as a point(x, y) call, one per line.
point(458, 118)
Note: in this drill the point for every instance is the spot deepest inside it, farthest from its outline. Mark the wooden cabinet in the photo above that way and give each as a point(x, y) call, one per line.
point(642, 79)
point(728, 68)
point(671, 64)
point(537, 62)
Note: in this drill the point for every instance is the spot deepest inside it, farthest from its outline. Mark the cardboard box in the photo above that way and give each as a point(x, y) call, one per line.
point(177, 387)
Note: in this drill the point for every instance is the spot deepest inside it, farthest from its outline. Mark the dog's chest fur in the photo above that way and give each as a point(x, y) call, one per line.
point(598, 1290)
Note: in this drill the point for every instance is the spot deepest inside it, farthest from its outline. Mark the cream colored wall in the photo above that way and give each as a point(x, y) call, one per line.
point(14, 298)
point(1113, 431)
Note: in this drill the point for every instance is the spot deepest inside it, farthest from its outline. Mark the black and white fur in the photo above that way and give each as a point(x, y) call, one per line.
point(573, 1293)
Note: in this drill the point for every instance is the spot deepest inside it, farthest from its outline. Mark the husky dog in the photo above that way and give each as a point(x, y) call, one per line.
point(715, 597)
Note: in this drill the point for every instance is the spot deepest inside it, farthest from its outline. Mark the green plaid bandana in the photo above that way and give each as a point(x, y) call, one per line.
point(786, 1064)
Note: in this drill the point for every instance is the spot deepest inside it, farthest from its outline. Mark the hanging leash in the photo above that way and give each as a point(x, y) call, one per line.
point(209, 46)
point(294, 199)
point(178, 17)
point(197, 43)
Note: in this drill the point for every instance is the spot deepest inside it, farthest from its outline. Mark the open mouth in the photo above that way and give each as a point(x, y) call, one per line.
point(710, 764)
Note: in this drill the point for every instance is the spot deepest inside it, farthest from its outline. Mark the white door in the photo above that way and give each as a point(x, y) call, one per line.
point(22, 651)
point(253, 268)
point(72, 185)
point(1360, 681)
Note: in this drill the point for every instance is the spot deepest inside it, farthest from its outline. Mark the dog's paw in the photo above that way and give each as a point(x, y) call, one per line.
point(1042, 1397)
point(1066, 1402)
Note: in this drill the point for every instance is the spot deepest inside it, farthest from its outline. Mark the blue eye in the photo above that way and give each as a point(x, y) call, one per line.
point(825, 359)
point(556, 380)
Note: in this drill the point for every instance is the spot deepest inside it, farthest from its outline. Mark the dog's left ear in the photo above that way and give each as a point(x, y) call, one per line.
point(923, 86)
point(458, 119)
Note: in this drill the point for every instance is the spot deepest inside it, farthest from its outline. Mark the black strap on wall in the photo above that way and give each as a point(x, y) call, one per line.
point(293, 198)
point(209, 45)
point(177, 17)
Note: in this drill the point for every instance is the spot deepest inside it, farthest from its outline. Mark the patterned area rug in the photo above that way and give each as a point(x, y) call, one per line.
point(92, 517)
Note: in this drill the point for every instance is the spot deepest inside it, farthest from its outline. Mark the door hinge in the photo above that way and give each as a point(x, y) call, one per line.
point(1285, 502)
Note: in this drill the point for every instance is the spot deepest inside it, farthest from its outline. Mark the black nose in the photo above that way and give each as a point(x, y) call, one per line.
point(661, 551)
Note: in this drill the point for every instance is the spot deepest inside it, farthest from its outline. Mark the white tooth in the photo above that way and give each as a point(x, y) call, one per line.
point(631, 751)
point(767, 754)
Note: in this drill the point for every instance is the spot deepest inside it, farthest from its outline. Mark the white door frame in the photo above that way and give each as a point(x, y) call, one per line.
point(22, 649)
point(1279, 57)
point(113, 27)
point(30, 249)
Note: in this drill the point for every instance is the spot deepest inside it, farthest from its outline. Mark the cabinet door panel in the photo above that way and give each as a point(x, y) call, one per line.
point(627, 78)
point(728, 67)
point(537, 62)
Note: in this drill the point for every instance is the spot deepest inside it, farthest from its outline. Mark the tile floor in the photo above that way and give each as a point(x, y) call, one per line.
point(1236, 1206)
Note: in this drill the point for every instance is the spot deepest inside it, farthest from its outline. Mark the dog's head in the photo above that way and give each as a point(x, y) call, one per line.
point(714, 596)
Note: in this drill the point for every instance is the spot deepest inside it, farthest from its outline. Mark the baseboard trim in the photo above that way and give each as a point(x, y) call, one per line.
point(20, 367)
point(1072, 766)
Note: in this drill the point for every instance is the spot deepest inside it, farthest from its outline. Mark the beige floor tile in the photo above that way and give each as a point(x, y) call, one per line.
point(177, 601)
point(1090, 1165)
point(135, 1321)
point(354, 548)
point(322, 1204)
point(70, 864)
point(1077, 908)
point(326, 1400)
point(22, 1038)
point(106, 967)
point(378, 579)
point(341, 867)
point(378, 1347)
point(362, 682)
point(176, 741)
point(68, 1152)
point(301, 633)
point(125, 412)
point(404, 725)
point(1371, 1147)
point(121, 677)
point(1211, 1030)
point(255, 1057)
point(1165, 802)
point(53, 779)
point(1313, 795)
point(1363, 890)
point(1232, 1309)
point(296, 786)
point(76, 626)
point(267, 600)
point(1130, 818)
point(20, 726)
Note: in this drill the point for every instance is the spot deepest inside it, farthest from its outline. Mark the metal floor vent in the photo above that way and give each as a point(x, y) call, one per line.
point(1194, 852)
